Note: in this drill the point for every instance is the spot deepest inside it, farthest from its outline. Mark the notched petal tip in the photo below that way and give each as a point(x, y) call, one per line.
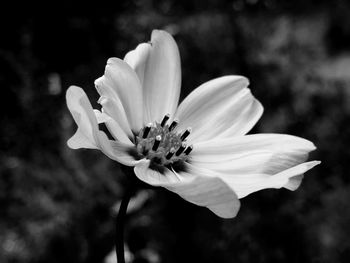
point(98, 82)
point(116, 64)
point(112, 60)
point(137, 58)
point(158, 33)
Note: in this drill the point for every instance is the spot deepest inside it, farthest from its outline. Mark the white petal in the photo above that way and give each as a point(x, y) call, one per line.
point(197, 186)
point(78, 104)
point(120, 152)
point(162, 78)
point(116, 151)
point(153, 177)
point(113, 127)
point(220, 108)
point(254, 162)
point(245, 184)
point(260, 145)
point(137, 59)
point(83, 114)
point(80, 140)
point(112, 105)
point(123, 81)
point(296, 174)
point(247, 113)
point(294, 182)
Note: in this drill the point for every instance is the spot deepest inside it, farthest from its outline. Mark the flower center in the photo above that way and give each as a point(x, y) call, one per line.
point(160, 143)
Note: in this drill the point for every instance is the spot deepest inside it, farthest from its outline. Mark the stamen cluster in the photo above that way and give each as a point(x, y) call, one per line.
point(162, 144)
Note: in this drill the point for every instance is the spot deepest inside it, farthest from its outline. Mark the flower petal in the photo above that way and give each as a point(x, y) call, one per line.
point(245, 184)
point(254, 162)
point(112, 105)
point(259, 145)
point(119, 152)
point(78, 104)
point(121, 79)
point(88, 133)
point(162, 77)
point(137, 59)
point(219, 108)
point(294, 182)
point(197, 186)
point(80, 140)
point(113, 127)
point(296, 174)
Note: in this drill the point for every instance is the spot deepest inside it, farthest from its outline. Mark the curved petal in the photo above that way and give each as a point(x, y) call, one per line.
point(137, 59)
point(79, 106)
point(257, 161)
point(162, 77)
point(119, 152)
point(294, 182)
point(88, 133)
point(245, 184)
point(113, 127)
point(223, 107)
point(121, 79)
point(296, 174)
point(112, 105)
point(197, 186)
point(250, 146)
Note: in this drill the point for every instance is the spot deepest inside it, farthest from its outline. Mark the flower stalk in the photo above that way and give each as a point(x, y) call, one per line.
point(120, 220)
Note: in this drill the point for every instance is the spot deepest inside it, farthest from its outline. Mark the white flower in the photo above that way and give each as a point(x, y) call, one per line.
point(198, 149)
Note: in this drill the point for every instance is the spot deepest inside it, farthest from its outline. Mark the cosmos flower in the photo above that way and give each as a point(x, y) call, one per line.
point(198, 149)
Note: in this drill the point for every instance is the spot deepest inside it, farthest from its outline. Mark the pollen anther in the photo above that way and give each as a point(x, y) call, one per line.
point(181, 149)
point(147, 130)
point(188, 150)
point(186, 133)
point(162, 143)
point(165, 119)
point(156, 142)
point(170, 154)
point(173, 125)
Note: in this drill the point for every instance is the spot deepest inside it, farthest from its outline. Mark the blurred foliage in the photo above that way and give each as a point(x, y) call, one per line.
point(58, 205)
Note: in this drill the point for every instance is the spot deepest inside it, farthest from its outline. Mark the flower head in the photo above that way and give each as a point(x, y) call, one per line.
point(198, 149)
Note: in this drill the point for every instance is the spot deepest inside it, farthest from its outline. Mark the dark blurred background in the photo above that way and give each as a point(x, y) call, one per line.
point(58, 205)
